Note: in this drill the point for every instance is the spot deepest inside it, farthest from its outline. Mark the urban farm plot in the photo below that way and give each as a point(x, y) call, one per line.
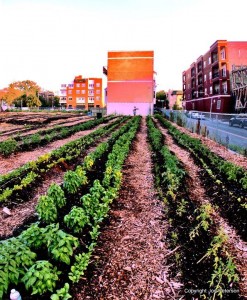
point(127, 208)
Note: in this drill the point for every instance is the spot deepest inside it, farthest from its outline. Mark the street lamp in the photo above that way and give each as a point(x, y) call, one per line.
point(211, 105)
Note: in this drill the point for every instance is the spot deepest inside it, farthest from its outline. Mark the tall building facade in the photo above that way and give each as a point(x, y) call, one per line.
point(82, 93)
point(174, 98)
point(130, 82)
point(206, 83)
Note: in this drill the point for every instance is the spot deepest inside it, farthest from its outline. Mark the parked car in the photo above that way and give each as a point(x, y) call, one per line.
point(240, 120)
point(196, 115)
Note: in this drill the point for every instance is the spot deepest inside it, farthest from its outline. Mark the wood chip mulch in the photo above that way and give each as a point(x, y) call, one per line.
point(130, 259)
point(197, 193)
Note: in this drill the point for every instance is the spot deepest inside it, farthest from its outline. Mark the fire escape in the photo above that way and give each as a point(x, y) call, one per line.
point(239, 86)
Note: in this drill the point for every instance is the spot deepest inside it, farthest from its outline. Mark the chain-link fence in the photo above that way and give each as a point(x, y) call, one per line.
point(229, 130)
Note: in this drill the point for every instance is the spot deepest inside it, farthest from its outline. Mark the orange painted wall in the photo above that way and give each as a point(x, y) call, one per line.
point(130, 76)
point(82, 84)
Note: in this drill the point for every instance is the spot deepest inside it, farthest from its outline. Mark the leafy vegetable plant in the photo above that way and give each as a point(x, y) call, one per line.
point(41, 277)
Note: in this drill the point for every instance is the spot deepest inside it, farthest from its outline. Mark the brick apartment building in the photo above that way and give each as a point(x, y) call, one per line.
point(207, 83)
point(130, 82)
point(82, 93)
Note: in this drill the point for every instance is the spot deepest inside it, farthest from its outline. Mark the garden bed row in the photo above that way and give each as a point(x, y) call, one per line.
point(201, 254)
point(15, 185)
point(58, 250)
point(44, 137)
point(225, 183)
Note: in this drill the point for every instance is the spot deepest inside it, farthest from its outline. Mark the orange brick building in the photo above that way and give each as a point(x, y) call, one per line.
point(83, 93)
point(130, 82)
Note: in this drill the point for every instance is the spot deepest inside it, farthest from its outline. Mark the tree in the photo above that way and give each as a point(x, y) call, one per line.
point(162, 98)
point(23, 93)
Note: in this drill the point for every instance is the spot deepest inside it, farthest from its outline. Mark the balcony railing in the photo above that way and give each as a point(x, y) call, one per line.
point(215, 75)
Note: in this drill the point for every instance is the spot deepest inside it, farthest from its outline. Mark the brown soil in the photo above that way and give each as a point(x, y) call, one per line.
point(60, 122)
point(130, 260)
point(21, 158)
point(22, 212)
point(197, 193)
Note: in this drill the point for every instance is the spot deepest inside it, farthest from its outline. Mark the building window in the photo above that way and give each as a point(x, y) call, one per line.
point(224, 71)
point(97, 98)
point(91, 92)
point(83, 91)
point(83, 85)
point(71, 85)
point(78, 85)
point(218, 104)
point(90, 99)
point(210, 75)
point(224, 86)
point(209, 60)
point(211, 90)
point(70, 92)
point(97, 84)
point(205, 77)
point(78, 92)
point(91, 85)
point(97, 91)
point(80, 100)
point(205, 92)
point(223, 54)
point(204, 64)
point(63, 85)
point(70, 98)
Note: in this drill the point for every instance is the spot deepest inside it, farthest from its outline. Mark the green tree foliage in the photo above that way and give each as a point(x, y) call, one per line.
point(161, 96)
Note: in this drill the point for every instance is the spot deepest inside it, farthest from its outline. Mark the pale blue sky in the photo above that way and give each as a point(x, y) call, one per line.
point(52, 41)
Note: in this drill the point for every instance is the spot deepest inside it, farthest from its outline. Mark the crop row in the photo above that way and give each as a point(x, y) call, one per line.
point(66, 244)
point(13, 184)
point(202, 255)
point(43, 137)
point(227, 183)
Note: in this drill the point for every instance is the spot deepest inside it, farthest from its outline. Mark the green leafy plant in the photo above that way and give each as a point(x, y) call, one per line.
point(80, 265)
point(204, 218)
point(33, 237)
point(62, 245)
point(57, 194)
point(15, 257)
point(41, 277)
point(46, 209)
point(35, 138)
point(71, 182)
point(62, 294)
point(76, 219)
point(8, 147)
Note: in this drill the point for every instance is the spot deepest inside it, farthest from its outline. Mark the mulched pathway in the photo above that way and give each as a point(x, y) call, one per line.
point(198, 194)
point(130, 259)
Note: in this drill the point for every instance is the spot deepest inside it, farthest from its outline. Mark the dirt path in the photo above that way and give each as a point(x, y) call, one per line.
point(21, 158)
point(129, 262)
point(60, 122)
point(25, 211)
point(197, 193)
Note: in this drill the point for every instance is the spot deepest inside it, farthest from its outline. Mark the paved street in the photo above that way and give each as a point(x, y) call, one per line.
point(221, 131)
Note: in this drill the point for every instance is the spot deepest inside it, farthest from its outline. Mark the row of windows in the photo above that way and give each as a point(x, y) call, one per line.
point(90, 92)
point(90, 85)
point(90, 99)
